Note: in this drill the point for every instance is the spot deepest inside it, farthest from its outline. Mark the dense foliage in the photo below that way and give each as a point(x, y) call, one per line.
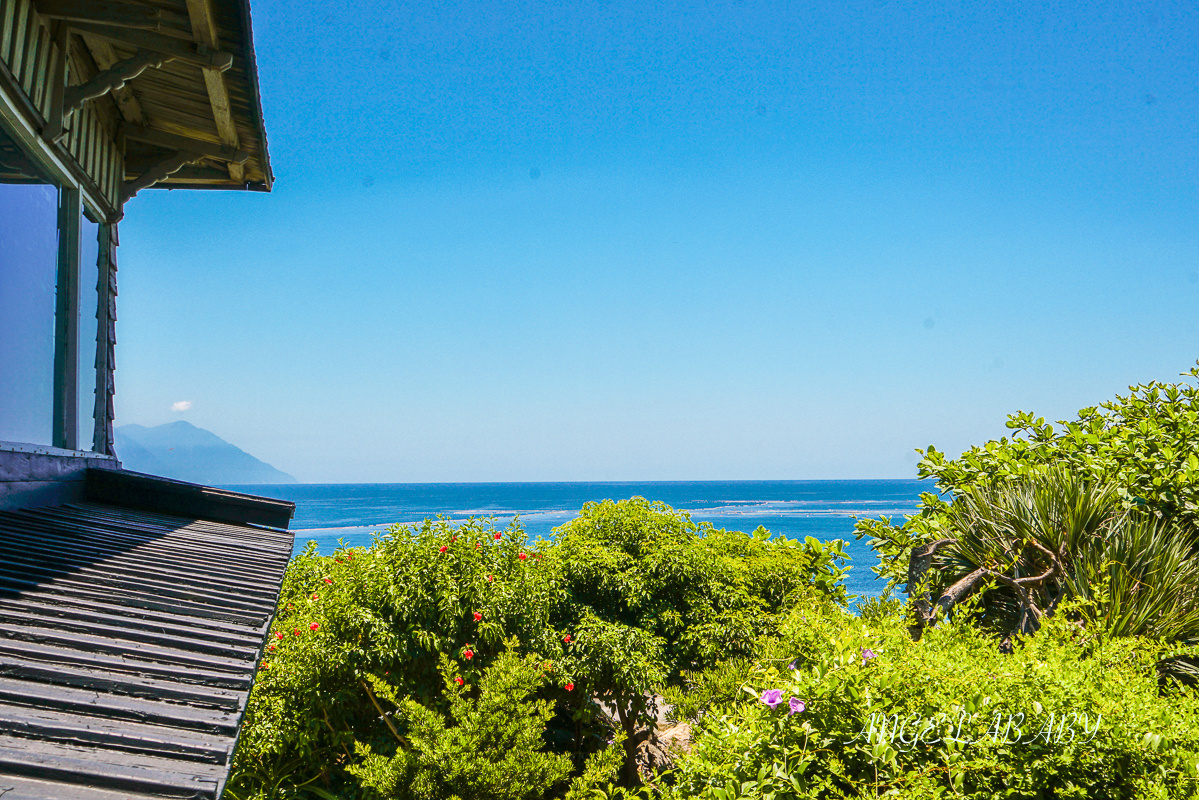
point(652, 595)
point(1123, 477)
point(441, 659)
point(853, 707)
point(1031, 543)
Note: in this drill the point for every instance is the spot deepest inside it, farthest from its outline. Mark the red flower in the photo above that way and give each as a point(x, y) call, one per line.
point(265, 665)
point(523, 556)
point(316, 597)
point(498, 536)
point(478, 616)
point(279, 635)
point(490, 578)
point(458, 681)
point(566, 638)
point(478, 545)
point(289, 606)
point(442, 549)
point(468, 654)
point(453, 539)
point(570, 687)
point(296, 631)
point(271, 647)
point(338, 560)
point(350, 556)
point(329, 581)
point(313, 626)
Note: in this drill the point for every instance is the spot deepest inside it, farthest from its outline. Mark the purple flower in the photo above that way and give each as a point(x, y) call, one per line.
point(867, 655)
point(772, 698)
point(794, 664)
point(797, 706)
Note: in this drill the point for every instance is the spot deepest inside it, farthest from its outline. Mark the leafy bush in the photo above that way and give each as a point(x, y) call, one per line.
point(850, 707)
point(442, 658)
point(654, 595)
point(361, 635)
point(492, 751)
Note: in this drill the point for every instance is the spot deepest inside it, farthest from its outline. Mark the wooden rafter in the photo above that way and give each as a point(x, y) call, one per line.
point(105, 57)
point(159, 172)
point(179, 49)
point(116, 14)
point(174, 142)
point(204, 31)
point(114, 77)
point(182, 80)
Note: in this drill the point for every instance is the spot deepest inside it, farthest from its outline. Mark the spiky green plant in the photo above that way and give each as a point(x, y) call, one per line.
point(1028, 545)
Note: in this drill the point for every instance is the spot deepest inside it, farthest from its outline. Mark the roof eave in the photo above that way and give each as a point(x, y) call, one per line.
point(256, 98)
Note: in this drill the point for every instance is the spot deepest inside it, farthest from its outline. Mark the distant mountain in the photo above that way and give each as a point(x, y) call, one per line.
point(184, 452)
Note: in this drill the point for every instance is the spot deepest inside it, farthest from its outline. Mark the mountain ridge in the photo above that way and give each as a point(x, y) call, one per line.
point(185, 452)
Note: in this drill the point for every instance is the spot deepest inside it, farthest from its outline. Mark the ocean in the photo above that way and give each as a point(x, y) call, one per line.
point(327, 513)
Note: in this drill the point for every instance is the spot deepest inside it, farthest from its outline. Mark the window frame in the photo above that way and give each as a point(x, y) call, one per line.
point(73, 203)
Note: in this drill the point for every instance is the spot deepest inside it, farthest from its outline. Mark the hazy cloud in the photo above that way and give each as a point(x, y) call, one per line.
point(182, 405)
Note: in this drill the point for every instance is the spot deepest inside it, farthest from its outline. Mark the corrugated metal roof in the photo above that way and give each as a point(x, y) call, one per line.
point(128, 645)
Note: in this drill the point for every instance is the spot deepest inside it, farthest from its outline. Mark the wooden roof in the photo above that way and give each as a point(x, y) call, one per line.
point(157, 92)
point(182, 99)
point(129, 641)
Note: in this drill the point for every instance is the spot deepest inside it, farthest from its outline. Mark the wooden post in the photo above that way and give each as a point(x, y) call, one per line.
point(106, 317)
point(66, 328)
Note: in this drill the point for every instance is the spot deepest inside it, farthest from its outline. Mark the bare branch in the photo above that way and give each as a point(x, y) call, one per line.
point(954, 594)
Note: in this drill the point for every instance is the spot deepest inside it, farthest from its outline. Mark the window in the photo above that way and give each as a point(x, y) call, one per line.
point(28, 272)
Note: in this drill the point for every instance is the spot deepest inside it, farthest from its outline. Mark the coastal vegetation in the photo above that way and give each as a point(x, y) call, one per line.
point(444, 656)
point(1047, 646)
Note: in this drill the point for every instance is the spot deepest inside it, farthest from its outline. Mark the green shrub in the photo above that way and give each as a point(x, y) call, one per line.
point(367, 627)
point(1031, 543)
point(654, 595)
point(493, 751)
point(885, 715)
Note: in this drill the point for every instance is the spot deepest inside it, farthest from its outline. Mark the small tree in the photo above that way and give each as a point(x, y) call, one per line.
point(653, 595)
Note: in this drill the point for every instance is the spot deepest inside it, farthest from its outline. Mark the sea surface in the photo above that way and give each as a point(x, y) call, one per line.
point(329, 513)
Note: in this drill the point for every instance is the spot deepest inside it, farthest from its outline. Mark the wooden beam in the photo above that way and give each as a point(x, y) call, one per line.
point(222, 113)
point(58, 86)
point(204, 31)
point(116, 14)
point(159, 172)
point(200, 55)
point(105, 57)
point(115, 77)
point(173, 141)
point(203, 23)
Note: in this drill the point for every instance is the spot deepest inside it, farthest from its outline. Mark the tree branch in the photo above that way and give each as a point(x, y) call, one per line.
point(383, 714)
point(919, 562)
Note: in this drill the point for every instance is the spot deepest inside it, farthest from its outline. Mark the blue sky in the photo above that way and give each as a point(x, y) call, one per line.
point(631, 241)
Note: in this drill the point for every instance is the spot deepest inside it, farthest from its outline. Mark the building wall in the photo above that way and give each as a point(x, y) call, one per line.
point(57, 267)
point(44, 476)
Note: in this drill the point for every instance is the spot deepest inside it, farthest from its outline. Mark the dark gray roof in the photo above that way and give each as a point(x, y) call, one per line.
point(128, 644)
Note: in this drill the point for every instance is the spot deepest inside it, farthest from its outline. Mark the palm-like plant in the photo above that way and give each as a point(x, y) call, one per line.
point(1028, 545)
